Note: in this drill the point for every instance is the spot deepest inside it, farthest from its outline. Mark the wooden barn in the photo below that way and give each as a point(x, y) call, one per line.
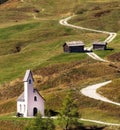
point(99, 45)
point(73, 46)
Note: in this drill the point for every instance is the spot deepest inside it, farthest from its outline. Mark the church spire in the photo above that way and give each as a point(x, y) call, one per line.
point(27, 75)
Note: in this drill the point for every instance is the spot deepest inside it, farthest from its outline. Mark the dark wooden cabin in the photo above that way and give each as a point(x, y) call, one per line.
point(99, 45)
point(73, 46)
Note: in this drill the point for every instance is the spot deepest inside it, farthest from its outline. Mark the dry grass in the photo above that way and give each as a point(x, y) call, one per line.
point(55, 80)
point(8, 106)
point(111, 91)
point(115, 57)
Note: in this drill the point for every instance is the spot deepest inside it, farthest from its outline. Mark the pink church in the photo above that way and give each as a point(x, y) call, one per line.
point(30, 102)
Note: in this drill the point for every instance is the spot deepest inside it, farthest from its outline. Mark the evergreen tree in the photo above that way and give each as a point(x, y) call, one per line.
point(69, 116)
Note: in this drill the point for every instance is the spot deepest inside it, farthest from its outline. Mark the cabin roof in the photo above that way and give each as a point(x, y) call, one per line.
point(75, 43)
point(99, 43)
point(28, 72)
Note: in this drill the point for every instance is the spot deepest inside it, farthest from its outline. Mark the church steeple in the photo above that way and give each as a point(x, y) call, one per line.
point(28, 89)
point(28, 76)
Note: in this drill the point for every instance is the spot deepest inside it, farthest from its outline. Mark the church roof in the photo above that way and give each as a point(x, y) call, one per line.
point(21, 97)
point(99, 43)
point(28, 72)
point(39, 94)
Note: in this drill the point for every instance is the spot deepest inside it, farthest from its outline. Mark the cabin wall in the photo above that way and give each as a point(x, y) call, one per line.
point(77, 48)
point(73, 48)
point(99, 47)
point(66, 48)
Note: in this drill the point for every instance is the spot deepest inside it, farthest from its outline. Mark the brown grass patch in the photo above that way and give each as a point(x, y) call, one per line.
point(115, 57)
point(99, 14)
point(111, 90)
point(8, 106)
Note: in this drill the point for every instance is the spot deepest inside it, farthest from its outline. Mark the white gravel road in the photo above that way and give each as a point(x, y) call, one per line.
point(91, 91)
point(111, 36)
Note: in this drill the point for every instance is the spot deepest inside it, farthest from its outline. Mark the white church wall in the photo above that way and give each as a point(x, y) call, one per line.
point(27, 106)
point(21, 107)
point(39, 104)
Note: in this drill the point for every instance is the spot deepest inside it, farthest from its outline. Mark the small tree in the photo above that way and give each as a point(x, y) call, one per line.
point(41, 124)
point(69, 115)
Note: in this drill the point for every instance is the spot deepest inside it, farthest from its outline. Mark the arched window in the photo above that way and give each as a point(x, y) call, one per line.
point(29, 81)
point(35, 98)
point(24, 108)
point(20, 108)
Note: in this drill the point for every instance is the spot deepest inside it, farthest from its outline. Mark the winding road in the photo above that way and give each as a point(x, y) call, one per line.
point(91, 91)
point(111, 36)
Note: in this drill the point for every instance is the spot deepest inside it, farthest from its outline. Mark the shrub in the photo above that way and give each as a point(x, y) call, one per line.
point(41, 124)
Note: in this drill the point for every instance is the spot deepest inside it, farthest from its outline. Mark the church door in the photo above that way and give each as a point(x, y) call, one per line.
point(35, 111)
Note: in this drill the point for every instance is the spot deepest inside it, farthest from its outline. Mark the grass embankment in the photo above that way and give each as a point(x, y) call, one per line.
point(8, 122)
point(111, 91)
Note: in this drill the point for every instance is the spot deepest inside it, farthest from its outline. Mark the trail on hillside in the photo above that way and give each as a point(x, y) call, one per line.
point(91, 91)
point(111, 36)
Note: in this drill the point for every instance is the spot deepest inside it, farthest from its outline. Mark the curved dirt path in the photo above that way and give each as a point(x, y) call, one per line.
point(91, 91)
point(111, 36)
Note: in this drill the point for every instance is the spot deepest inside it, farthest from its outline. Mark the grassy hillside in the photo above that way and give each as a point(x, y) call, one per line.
point(32, 38)
point(30, 45)
point(105, 16)
point(111, 90)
